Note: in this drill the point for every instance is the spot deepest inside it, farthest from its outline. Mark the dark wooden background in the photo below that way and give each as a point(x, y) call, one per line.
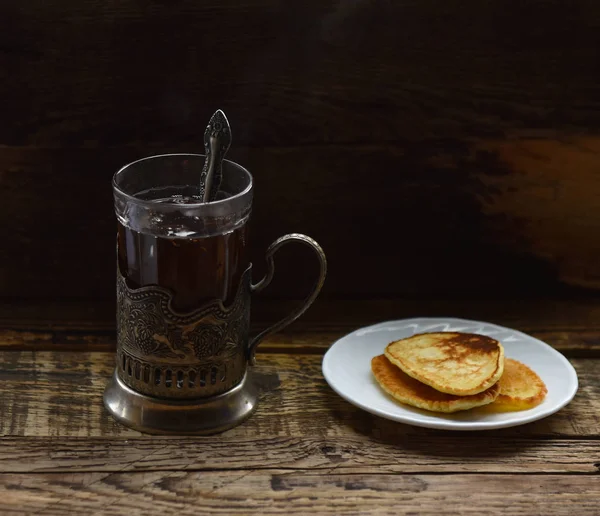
point(432, 147)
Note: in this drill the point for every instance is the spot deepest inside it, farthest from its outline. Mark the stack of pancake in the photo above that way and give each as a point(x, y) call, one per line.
point(451, 371)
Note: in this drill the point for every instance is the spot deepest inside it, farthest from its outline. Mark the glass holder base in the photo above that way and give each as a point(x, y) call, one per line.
point(201, 416)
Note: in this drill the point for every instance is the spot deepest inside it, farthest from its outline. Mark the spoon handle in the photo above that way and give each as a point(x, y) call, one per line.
point(217, 139)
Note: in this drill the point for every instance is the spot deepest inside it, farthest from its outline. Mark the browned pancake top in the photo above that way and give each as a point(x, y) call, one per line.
point(412, 392)
point(452, 362)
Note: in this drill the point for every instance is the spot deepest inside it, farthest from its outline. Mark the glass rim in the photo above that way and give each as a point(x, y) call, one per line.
point(220, 202)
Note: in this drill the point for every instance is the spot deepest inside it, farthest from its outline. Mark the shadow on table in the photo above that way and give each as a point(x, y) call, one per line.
point(427, 442)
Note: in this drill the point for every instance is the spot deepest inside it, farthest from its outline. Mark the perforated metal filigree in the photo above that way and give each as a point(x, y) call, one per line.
point(165, 353)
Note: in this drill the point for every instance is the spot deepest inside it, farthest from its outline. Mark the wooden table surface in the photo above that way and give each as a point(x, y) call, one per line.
point(305, 450)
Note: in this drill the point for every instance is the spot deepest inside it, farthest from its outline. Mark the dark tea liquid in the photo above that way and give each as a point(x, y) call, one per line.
point(196, 270)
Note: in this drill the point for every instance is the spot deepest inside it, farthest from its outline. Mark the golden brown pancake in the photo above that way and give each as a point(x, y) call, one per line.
point(412, 392)
point(520, 388)
point(462, 364)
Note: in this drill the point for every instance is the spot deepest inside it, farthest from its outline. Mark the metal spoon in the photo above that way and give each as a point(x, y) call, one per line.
point(217, 139)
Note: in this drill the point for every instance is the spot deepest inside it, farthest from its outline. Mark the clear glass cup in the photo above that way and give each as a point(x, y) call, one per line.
point(169, 238)
point(184, 279)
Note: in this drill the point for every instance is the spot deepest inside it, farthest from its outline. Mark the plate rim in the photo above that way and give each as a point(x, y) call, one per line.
point(454, 425)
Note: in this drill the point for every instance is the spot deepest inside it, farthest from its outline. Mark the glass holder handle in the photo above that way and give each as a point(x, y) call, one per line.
point(263, 283)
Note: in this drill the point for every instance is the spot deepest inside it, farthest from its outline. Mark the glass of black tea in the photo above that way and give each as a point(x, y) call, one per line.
point(183, 294)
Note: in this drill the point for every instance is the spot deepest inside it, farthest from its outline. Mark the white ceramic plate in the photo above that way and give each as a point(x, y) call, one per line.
point(347, 369)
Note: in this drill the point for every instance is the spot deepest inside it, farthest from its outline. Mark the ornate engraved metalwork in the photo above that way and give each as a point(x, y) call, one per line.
point(168, 354)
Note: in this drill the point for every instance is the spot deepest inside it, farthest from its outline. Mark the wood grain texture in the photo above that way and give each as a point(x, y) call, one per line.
point(576, 344)
point(571, 326)
point(296, 74)
point(447, 453)
point(58, 394)
point(480, 147)
point(549, 178)
point(535, 313)
point(283, 492)
point(420, 203)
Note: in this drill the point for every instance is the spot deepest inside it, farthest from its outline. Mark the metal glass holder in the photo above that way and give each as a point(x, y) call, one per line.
point(187, 373)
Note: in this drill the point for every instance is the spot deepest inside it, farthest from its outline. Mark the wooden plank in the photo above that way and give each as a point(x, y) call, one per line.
point(577, 343)
point(461, 242)
point(532, 313)
point(284, 492)
point(49, 260)
point(315, 72)
point(571, 326)
point(534, 200)
point(480, 151)
point(447, 453)
point(58, 394)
